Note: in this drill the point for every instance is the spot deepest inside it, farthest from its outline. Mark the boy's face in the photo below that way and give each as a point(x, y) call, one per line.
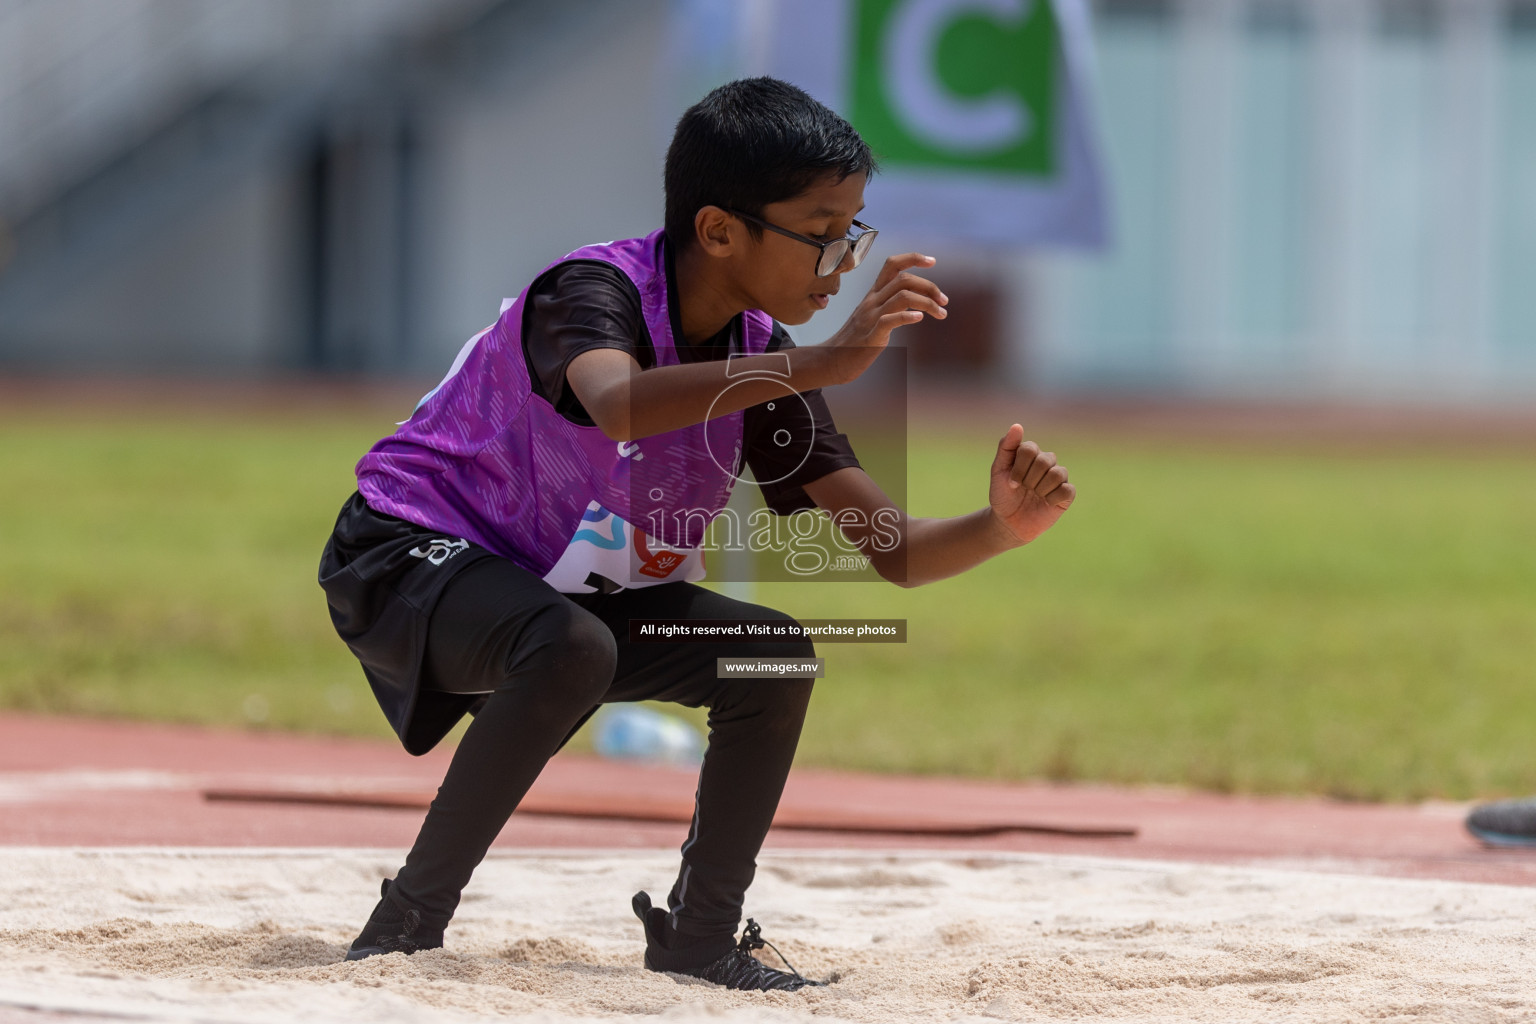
point(779, 273)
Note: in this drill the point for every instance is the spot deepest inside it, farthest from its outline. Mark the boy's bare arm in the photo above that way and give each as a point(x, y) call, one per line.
point(1027, 494)
point(627, 403)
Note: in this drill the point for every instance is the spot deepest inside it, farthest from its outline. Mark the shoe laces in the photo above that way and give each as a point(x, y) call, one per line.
point(752, 939)
point(411, 920)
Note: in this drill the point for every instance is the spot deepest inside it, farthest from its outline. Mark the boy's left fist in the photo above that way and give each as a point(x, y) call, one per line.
point(1029, 490)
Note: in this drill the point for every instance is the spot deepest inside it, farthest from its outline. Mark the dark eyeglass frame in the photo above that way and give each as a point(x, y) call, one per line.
point(832, 253)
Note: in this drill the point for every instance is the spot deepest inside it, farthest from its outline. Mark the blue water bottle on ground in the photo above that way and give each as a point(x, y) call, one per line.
point(630, 732)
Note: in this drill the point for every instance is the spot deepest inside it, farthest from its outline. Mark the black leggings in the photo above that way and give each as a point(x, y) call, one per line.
point(547, 660)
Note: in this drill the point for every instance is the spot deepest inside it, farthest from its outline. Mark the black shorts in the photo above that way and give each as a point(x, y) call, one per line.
point(385, 577)
point(382, 577)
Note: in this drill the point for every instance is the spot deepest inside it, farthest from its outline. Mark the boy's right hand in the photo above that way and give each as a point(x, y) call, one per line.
point(898, 297)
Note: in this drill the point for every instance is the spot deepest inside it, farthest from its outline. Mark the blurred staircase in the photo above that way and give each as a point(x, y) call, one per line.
point(117, 114)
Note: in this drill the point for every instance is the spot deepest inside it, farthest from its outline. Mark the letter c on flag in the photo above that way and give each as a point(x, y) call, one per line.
point(936, 116)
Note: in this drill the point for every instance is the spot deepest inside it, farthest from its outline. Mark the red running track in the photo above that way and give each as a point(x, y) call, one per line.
point(83, 782)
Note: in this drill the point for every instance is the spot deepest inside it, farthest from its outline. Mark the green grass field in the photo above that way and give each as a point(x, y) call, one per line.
point(1210, 615)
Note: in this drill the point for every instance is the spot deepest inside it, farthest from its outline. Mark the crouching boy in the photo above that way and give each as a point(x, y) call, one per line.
point(500, 541)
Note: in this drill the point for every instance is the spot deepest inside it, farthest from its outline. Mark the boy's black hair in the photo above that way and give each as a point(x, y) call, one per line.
point(752, 142)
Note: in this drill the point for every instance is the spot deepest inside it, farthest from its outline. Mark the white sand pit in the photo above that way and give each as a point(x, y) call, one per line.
point(258, 936)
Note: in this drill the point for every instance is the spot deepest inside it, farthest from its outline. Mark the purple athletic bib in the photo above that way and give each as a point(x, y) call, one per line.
point(485, 459)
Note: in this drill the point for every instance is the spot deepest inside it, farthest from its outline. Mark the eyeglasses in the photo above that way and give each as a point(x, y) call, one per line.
point(832, 253)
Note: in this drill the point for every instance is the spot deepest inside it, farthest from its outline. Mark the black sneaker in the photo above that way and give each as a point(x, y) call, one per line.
point(736, 968)
point(394, 927)
point(1505, 823)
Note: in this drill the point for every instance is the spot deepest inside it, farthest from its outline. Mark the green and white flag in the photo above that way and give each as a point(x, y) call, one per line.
point(978, 110)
